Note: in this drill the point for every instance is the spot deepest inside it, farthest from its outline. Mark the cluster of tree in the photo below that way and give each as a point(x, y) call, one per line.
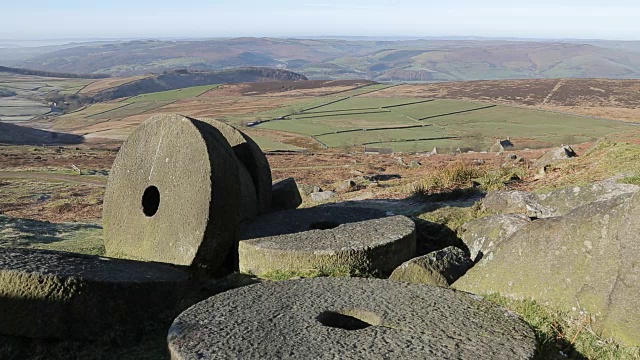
point(52, 74)
point(407, 75)
point(67, 102)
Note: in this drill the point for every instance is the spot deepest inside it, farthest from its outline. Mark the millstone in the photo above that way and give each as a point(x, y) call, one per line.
point(252, 157)
point(348, 318)
point(299, 220)
point(50, 294)
point(173, 194)
point(374, 246)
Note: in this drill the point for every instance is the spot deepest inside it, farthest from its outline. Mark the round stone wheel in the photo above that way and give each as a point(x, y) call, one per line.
point(374, 246)
point(173, 195)
point(51, 294)
point(348, 318)
point(253, 159)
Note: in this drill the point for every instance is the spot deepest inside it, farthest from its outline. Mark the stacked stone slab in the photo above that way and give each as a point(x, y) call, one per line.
point(327, 239)
point(178, 190)
point(59, 295)
point(348, 318)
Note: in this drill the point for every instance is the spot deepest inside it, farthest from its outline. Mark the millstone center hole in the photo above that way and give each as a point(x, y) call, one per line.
point(150, 201)
point(348, 320)
point(324, 225)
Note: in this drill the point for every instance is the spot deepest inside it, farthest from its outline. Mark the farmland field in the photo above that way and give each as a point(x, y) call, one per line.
point(21, 106)
point(335, 114)
point(172, 94)
point(408, 124)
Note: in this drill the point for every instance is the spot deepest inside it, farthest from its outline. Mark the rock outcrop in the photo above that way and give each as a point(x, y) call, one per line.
point(481, 236)
point(586, 259)
point(285, 195)
point(555, 203)
point(441, 268)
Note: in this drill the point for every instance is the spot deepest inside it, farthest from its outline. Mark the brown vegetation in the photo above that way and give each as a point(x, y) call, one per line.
point(288, 88)
point(614, 99)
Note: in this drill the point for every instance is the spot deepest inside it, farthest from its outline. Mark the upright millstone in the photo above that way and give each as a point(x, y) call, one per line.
point(251, 156)
point(173, 195)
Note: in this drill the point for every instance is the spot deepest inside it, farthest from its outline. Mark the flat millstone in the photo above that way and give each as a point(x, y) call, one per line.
point(299, 220)
point(196, 213)
point(51, 294)
point(310, 318)
point(375, 246)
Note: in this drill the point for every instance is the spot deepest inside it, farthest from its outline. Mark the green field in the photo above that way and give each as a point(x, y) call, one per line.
point(388, 122)
point(23, 105)
point(172, 94)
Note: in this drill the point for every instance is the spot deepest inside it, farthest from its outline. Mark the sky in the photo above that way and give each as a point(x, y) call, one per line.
point(82, 19)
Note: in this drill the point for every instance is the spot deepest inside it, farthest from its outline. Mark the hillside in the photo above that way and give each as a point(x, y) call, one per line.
point(409, 60)
point(51, 74)
point(14, 134)
point(182, 79)
point(356, 114)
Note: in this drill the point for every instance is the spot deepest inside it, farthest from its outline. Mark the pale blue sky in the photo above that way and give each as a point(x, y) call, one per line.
point(31, 19)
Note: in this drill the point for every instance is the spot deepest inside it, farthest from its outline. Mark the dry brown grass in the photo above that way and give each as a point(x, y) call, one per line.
point(612, 99)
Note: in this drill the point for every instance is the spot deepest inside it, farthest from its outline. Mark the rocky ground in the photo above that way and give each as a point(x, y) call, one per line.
point(52, 199)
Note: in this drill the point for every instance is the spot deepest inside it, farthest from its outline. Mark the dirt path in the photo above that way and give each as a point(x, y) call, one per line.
point(75, 179)
point(553, 91)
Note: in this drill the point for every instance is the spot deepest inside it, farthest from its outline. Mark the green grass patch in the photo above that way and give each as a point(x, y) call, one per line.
point(565, 335)
point(172, 95)
point(454, 217)
point(70, 237)
point(362, 102)
point(476, 129)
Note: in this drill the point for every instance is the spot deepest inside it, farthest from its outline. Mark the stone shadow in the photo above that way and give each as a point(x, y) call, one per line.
point(18, 232)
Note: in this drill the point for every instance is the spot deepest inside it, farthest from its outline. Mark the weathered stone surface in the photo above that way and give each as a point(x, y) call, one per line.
point(557, 202)
point(173, 194)
point(561, 153)
point(586, 259)
point(346, 186)
point(253, 159)
point(299, 220)
point(49, 294)
point(483, 235)
point(516, 202)
point(563, 201)
point(306, 189)
point(348, 318)
point(372, 246)
point(323, 196)
point(248, 196)
point(285, 195)
point(441, 268)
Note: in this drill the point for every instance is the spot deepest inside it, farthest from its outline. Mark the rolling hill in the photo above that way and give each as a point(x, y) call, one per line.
point(406, 60)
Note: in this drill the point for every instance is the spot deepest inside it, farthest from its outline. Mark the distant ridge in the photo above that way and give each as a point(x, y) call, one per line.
point(420, 60)
point(52, 74)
